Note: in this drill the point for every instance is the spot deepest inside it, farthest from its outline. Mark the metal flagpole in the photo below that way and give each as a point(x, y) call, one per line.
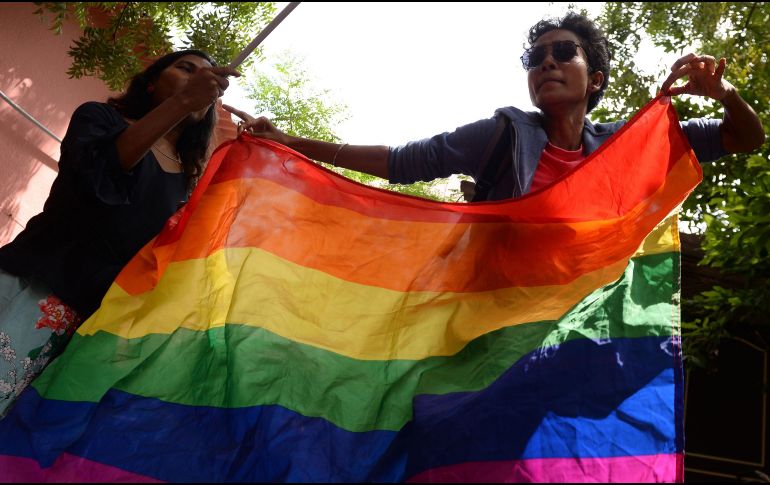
point(265, 32)
point(28, 116)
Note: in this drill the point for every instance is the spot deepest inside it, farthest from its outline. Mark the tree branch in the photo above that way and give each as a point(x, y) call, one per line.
point(748, 17)
point(118, 21)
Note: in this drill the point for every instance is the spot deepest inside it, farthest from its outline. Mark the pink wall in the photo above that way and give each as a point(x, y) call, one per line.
point(33, 66)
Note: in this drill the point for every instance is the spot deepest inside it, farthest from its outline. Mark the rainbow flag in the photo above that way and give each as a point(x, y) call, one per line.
point(291, 325)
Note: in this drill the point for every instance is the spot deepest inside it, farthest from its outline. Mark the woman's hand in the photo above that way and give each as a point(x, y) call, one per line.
point(704, 77)
point(260, 127)
point(204, 87)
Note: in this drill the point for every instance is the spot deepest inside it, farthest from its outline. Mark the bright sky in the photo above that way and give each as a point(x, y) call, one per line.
point(411, 70)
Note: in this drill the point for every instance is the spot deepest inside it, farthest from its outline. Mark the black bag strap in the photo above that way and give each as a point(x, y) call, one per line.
point(495, 159)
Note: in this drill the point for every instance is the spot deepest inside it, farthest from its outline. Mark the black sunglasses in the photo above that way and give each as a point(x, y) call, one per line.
point(562, 51)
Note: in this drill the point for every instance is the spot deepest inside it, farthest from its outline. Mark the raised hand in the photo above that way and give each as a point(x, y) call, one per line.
point(704, 77)
point(205, 86)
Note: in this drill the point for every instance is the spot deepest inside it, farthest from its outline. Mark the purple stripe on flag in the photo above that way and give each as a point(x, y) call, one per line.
point(624, 469)
point(67, 468)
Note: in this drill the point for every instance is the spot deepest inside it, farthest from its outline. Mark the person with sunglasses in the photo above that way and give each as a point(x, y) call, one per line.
point(568, 70)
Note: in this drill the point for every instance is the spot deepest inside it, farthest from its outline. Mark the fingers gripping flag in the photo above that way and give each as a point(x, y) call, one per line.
point(291, 325)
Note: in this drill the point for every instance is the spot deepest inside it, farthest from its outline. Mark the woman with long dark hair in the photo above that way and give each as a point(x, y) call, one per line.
point(126, 166)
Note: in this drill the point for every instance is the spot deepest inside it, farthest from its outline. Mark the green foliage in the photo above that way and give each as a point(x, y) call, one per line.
point(628, 88)
point(733, 202)
point(297, 107)
point(429, 190)
point(137, 30)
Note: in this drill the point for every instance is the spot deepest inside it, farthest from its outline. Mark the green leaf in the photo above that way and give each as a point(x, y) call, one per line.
point(222, 29)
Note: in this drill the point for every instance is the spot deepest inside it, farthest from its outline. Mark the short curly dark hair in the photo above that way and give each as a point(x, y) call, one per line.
point(593, 40)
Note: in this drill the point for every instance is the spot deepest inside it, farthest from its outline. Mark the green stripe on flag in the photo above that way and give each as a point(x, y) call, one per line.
point(238, 366)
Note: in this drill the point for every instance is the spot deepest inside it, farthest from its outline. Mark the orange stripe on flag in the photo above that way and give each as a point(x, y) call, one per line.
point(232, 214)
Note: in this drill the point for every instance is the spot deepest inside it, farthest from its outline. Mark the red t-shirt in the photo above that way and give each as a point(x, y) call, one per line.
point(555, 162)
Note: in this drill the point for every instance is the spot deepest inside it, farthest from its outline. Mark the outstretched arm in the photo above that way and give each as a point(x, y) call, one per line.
point(371, 159)
point(741, 129)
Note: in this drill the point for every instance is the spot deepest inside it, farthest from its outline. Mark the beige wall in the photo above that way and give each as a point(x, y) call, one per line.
point(33, 66)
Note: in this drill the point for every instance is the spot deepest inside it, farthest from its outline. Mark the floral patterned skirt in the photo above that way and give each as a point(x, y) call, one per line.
point(35, 326)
